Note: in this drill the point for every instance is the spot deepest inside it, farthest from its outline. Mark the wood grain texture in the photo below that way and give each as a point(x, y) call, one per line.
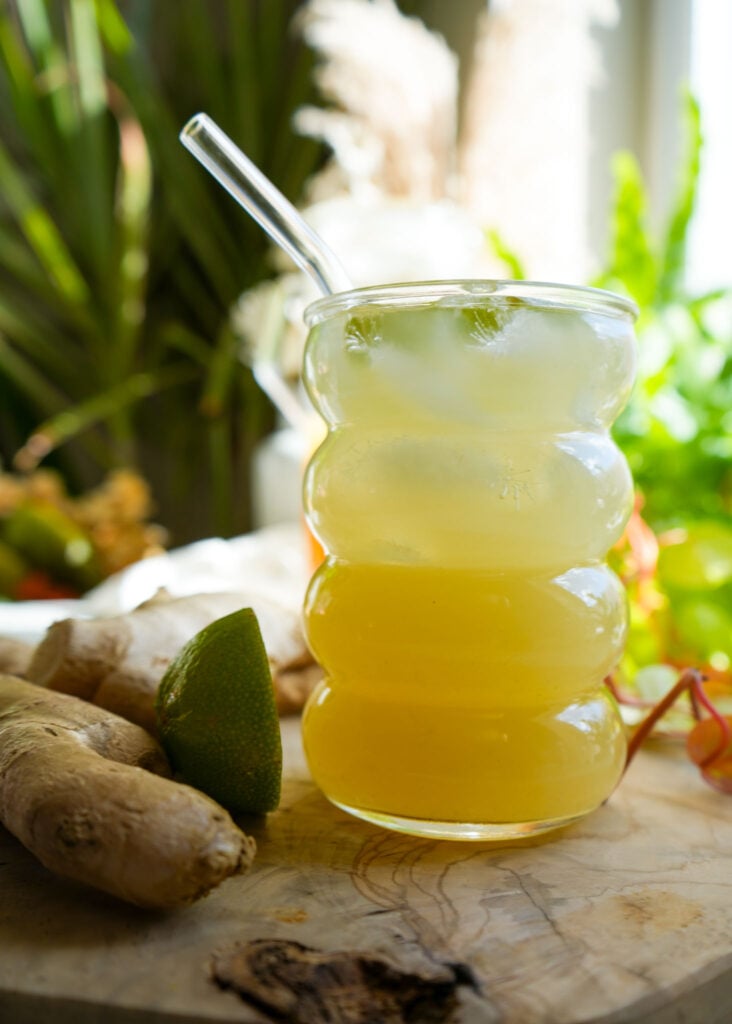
point(625, 918)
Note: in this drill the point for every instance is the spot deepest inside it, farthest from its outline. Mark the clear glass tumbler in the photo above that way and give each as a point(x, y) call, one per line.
point(467, 493)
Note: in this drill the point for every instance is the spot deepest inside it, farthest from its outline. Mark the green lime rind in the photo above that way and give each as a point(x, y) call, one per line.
point(217, 716)
point(48, 539)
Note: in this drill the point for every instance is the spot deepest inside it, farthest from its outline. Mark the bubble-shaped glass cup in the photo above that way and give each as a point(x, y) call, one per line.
point(467, 493)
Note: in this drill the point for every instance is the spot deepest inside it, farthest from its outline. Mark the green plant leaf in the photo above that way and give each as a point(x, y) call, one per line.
point(112, 27)
point(632, 266)
point(223, 365)
point(35, 337)
point(72, 421)
point(700, 561)
point(41, 233)
point(508, 257)
point(31, 128)
point(94, 166)
point(28, 379)
point(133, 202)
point(51, 61)
point(703, 630)
point(671, 277)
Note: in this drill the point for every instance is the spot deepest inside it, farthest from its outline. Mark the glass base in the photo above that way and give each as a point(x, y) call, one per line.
point(460, 831)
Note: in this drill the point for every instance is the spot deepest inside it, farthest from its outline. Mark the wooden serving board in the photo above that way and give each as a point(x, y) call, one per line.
point(625, 917)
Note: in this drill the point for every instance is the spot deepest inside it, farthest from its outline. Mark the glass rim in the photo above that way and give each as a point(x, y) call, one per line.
point(544, 294)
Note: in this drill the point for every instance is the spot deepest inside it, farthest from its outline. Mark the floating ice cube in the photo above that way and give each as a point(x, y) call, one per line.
point(362, 332)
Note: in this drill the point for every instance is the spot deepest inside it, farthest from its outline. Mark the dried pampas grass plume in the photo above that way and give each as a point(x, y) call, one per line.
point(526, 128)
point(394, 86)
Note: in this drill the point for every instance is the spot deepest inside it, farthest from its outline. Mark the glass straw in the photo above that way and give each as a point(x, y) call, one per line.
point(262, 201)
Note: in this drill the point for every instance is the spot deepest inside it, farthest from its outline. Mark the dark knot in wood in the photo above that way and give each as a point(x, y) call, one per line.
point(299, 985)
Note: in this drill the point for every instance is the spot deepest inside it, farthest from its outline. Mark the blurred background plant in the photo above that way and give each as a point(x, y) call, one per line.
point(120, 259)
point(676, 556)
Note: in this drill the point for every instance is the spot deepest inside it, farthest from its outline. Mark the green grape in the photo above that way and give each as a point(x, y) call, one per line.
point(704, 627)
point(702, 561)
point(644, 646)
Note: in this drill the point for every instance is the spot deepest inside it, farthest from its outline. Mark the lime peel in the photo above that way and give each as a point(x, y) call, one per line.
point(217, 717)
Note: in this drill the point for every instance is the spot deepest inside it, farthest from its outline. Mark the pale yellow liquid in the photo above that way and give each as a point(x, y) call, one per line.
point(465, 619)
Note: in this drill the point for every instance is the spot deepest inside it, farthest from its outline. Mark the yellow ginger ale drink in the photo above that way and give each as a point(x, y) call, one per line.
point(467, 493)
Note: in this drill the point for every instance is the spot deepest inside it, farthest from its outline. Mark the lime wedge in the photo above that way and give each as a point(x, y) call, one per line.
point(217, 716)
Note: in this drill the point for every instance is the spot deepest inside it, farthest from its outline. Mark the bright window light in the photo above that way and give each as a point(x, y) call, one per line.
point(710, 249)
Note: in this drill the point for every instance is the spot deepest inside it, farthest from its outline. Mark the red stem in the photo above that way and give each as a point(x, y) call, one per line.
point(625, 698)
point(690, 679)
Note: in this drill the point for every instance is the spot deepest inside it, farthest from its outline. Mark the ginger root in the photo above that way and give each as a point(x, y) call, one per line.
point(118, 662)
point(15, 656)
point(77, 789)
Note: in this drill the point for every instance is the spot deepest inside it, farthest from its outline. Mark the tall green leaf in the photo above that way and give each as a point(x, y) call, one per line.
point(633, 266)
point(41, 233)
point(673, 258)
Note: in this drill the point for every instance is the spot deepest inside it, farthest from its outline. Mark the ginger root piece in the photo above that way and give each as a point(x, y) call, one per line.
point(15, 656)
point(294, 686)
point(76, 789)
point(118, 662)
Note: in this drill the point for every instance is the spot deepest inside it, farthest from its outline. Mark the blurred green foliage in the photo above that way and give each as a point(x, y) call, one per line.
point(676, 432)
point(119, 257)
point(677, 429)
point(677, 436)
